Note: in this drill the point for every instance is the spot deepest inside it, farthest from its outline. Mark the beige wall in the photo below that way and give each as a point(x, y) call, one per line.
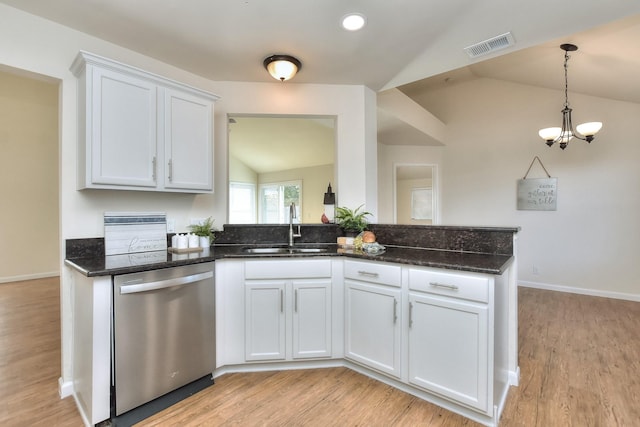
point(240, 172)
point(404, 188)
point(314, 184)
point(29, 218)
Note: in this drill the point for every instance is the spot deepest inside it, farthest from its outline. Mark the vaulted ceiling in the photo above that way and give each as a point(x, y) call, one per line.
point(404, 41)
point(412, 45)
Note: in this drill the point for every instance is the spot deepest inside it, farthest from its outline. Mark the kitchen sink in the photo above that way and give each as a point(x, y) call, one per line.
point(284, 250)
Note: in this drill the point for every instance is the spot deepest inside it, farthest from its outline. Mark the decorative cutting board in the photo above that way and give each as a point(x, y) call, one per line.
point(133, 232)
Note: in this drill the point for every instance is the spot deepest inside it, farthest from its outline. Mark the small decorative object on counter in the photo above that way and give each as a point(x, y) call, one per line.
point(204, 231)
point(182, 241)
point(352, 221)
point(194, 241)
point(329, 206)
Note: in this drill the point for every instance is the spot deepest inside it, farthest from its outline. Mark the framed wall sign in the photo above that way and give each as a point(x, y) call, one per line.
point(421, 203)
point(537, 194)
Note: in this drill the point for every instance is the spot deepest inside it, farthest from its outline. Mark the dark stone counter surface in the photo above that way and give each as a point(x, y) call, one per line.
point(476, 249)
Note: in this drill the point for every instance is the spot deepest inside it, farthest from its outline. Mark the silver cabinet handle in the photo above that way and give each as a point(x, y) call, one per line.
point(281, 301)
point(295, 308)
point(153, 166)
point(135, 286)
point(170, 170)
point(443, 285)
point(395, 310)
point(410, 314)
point(367, 273)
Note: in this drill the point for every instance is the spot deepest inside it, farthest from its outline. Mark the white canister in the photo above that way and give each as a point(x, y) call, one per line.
point(183, 241)
point(205, 242)
point(194, 241)
point(174, 241)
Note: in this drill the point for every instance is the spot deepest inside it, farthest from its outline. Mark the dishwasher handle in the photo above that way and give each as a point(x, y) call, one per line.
point(131, 288)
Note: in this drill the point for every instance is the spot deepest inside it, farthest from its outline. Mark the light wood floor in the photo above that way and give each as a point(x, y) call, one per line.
point(579, 361)
point(30, 356)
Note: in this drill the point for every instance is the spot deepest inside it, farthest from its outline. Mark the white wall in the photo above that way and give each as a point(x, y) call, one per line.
point(590, 243)
point(388, 157)
point(40, 46)
point(29, 247)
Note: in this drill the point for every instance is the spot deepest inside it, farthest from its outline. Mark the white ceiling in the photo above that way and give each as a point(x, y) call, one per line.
point(404, 40)
point(410, 44)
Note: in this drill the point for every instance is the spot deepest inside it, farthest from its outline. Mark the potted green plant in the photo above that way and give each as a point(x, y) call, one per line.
point(204, 231)
point(352, 221)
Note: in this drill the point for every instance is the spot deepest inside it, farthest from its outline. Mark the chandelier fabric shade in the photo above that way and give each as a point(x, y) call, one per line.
point(282, 67)
point(562, 135)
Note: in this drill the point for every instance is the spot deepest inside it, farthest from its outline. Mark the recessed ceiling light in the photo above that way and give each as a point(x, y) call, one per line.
point(353, 21)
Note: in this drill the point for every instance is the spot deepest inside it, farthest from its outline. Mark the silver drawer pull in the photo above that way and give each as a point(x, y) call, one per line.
point(443, 285)
point(367, 273)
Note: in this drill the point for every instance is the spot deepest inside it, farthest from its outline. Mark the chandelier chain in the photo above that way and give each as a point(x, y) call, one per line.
point(566, 79)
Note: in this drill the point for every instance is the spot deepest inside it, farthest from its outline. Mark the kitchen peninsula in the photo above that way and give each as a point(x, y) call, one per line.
point(437, 294)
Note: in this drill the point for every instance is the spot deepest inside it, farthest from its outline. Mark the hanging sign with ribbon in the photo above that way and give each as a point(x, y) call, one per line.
point(537, 194)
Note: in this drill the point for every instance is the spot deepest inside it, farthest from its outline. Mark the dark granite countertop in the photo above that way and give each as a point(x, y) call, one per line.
point(487, 250)
point(454, 260)
point(96, 265)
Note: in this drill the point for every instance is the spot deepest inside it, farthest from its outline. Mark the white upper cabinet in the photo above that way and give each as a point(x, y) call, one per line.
point(188, 148)
point(140, 131)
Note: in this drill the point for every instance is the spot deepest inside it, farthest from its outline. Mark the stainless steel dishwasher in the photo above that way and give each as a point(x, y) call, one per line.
point(163, 332)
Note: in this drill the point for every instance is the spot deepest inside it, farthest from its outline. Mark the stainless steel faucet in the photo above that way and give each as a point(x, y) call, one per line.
point(292, 215)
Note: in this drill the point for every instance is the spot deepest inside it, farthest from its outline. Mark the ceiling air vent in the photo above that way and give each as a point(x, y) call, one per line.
point(485, 47)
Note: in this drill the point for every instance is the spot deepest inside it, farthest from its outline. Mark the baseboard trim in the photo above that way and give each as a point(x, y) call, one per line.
point(65, 389)
point(23, 277)
point(514, 377)
point(581, 291)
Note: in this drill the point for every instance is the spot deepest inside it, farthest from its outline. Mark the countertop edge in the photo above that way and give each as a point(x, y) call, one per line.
point(413, 256)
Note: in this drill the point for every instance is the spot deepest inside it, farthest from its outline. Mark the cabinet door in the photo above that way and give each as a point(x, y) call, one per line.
point(311, 319)
point(372, 326)
point(188, 141)
point(449, 349)
point(265, 320)
point(123, 130)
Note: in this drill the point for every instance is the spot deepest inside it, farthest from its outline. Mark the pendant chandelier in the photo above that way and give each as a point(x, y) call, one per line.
point(563, 135)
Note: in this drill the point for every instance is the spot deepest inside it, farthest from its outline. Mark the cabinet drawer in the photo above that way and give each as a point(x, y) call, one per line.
point(458, 285)
point(373, 272)
point(289, 269)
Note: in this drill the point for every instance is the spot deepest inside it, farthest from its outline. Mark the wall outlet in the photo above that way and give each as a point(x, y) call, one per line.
point(535, 270)
point(171, 225)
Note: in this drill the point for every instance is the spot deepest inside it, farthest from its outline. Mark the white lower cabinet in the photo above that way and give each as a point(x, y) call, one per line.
point(264, 321)
point(429, 330)
point(373, 321)
point(450, 337)
point(372, 327)
point(448, 351)
point(290, 318)
point(311, 319)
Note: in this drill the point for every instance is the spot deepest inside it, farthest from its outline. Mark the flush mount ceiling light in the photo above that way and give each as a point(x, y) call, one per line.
point(353, 21)
point(282, 67)
point(566, 133)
